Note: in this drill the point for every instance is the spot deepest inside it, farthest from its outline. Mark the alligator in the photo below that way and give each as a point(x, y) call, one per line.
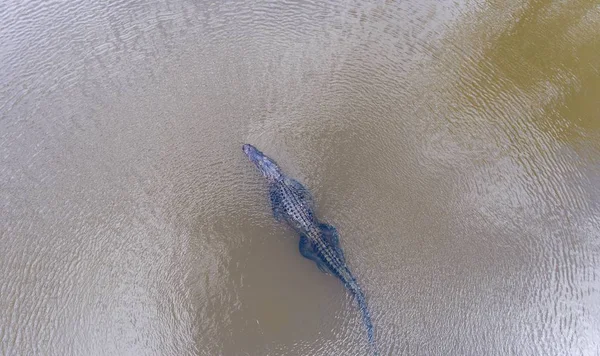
point(292, 203)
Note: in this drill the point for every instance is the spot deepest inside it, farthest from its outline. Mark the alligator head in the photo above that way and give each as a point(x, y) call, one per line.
point(265, 165)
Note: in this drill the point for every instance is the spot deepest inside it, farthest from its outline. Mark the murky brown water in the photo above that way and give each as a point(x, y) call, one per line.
point(455, 145)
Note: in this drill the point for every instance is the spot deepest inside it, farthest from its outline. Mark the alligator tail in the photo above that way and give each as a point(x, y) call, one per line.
point(354, 288)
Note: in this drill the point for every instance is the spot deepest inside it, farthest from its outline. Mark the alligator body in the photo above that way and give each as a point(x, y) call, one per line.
point(319, 242)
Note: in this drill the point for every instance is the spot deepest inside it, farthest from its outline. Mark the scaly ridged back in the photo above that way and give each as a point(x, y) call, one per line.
point(291, 202)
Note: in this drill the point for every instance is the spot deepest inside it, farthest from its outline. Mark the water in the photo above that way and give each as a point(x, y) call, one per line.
point(455, 145)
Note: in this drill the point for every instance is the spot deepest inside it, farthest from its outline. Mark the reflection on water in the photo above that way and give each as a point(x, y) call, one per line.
point(454, 145)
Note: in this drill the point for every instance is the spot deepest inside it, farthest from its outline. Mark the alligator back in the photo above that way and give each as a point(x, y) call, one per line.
point(319, 242)
point(292, 203)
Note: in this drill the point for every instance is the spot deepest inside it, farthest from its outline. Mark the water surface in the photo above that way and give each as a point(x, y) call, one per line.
point(455, 145)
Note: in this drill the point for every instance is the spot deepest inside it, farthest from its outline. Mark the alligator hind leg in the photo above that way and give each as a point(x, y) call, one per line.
point(331, 235)
point(307, 251)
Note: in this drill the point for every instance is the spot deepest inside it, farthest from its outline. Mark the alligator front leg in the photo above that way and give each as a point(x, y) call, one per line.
point(276, 204)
